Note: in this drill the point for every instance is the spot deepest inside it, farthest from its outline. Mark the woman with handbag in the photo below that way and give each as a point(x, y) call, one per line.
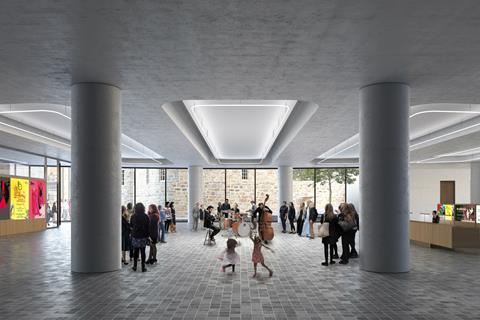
point(328, 232)
point(346, 220)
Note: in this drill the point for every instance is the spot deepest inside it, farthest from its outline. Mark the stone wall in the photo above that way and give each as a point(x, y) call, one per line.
point(239, 190)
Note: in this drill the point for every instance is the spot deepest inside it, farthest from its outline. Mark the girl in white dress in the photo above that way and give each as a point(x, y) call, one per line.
point(229, 256)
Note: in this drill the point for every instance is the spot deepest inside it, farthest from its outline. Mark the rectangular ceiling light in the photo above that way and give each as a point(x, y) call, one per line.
point(240, 130)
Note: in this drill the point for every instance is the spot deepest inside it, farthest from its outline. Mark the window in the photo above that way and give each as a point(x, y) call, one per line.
point(163, 174)
point(52, 179)
point(66, 195)
point(330, 187)
point(213, 187)
point(128, 178)
point(267, 183)
point(149, 190)
point(240, 189)
point(177, 190)
point(303, 186)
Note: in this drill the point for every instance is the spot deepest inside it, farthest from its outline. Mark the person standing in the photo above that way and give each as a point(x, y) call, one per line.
point(195, 216)
point(140, 233)
point(174, 217)
point(221, 218)
point(253, 210)
point(346, 220)
point(306, 221)
point(300, 217)
point(208, 223)
point(130, 214)
point(161, 224)
point(353, 251)
point(202, 216)
point(291, 217)
point(332, 220)
point(283, 216)
point(126, 237)
point(154, 218)
point(226, 210)
point(168, 213)
point(312, 218)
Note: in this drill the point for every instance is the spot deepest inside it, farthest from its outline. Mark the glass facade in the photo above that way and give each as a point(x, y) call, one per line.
point(267, 183)
point(128, 186)
point(52, 200)
point(213, 187)
point(66, 194)
point(241, 187)
point(177, 190)
point(149, 188)
point(303, 186)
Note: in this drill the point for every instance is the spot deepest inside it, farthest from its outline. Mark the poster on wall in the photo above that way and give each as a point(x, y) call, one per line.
point(19, 199)
point(440, 209)
point(4, 198)
point(37, 199)
point(465, 212)
point(449, 209)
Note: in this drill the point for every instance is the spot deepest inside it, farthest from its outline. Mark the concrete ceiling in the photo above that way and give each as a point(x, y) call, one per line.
point(163, 51)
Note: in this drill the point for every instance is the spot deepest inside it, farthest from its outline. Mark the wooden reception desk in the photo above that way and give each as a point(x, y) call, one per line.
point(9, 227)
point(448, 235)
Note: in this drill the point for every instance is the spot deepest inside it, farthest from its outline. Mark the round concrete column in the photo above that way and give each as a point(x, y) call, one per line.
point(475, 183)
point(285, 183)
point(195, 187)
point(384, 192)
point(96, 172)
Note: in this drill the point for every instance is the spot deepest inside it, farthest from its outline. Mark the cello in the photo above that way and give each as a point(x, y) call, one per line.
point(265, 226)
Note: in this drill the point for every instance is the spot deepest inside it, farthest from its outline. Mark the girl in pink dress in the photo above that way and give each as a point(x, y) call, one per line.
point(257, 256)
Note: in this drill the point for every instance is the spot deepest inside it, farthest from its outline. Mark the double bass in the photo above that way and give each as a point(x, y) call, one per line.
point(265, 223)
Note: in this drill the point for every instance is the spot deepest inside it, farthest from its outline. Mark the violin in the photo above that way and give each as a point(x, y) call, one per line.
point(266, 229)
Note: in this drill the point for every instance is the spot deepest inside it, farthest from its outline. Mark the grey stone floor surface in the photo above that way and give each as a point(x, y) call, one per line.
point(36, 283)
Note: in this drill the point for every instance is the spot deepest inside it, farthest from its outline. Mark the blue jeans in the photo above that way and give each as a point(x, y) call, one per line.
point(161, 226)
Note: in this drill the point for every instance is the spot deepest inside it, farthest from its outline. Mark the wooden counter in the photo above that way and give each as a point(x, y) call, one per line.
point(9, 227)
point(452, 236)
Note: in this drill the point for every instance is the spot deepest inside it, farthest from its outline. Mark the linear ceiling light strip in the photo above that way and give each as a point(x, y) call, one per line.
point(65, 116)
point(414, 115)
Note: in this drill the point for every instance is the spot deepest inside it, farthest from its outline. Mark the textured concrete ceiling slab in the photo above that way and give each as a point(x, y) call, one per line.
point(318, 51)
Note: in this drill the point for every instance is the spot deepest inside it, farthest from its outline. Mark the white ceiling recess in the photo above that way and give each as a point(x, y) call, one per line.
point(239, 131)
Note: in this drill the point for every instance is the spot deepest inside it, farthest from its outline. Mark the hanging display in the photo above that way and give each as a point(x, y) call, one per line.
point(4, 198)
point(19, 199)
point(37, 199)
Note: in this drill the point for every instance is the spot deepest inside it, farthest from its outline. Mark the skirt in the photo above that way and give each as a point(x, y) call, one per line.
point(126, 242)
point(139, 242)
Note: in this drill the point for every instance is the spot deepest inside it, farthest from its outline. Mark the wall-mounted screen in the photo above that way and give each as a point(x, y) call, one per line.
point(4, 198)
point(19, 199)
point(465, 212)
point(37, 199)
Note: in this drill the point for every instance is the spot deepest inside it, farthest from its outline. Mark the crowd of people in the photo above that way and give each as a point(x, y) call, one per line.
point(141, 228)
point(342, 223)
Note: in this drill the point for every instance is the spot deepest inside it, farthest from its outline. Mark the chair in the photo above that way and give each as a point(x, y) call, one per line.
point(207, 239)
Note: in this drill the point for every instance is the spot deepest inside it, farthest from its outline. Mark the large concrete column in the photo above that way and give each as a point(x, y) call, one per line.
point(475, 183)
point(384, 153)
point(285, 184)
point(96, 177)
point(195, 190)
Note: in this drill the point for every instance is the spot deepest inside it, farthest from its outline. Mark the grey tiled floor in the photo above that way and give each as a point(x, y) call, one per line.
point(36, 283)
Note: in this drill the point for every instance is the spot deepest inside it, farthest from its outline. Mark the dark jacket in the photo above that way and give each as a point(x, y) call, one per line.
point(225, 206)
point(140, 225)
point(153, 225)
point(125, 227)
point(208, 219)
point(291, 213)
point(313, 214)
point(357, 221)
point(334, 229)
point(283, 212)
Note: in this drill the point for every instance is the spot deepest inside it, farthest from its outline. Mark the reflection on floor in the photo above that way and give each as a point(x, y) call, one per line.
point(36, 283)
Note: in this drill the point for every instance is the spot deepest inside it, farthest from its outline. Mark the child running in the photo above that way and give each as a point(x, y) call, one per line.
point(257, 256)
point(229, 256)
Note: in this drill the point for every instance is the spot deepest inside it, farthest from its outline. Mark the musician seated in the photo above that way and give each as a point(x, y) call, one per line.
point(208, 223)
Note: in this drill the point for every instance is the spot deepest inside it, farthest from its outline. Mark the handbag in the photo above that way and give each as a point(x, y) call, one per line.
point(323, 230)
point(346, 226)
